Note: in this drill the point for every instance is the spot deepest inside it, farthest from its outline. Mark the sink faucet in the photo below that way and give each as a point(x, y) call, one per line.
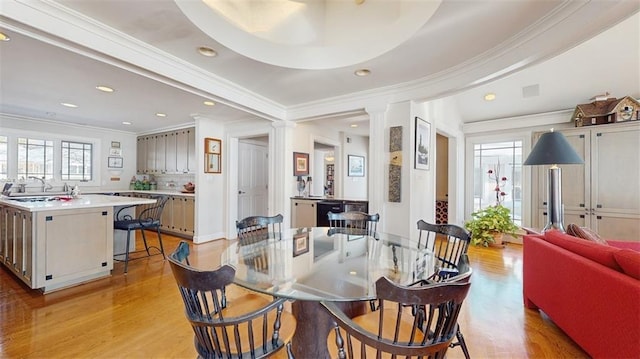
point(45, 186)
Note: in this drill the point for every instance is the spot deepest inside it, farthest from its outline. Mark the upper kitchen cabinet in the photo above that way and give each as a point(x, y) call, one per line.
point(167, 152)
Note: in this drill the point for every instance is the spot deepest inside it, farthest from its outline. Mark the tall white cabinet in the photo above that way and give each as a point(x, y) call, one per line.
point(604, 193)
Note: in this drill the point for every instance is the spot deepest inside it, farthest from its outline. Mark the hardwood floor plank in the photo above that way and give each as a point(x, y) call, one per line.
point(140, 315)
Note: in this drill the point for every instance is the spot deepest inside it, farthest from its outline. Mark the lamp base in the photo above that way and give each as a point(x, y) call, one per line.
point(555, 210)
point(554, 226)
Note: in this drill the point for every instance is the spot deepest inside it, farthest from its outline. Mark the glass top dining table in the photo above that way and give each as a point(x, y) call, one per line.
point(316, 264)
point(309, 265)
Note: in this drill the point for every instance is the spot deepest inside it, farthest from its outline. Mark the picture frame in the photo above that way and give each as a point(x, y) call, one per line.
point(212, 163)
point(115, 144)
point(115, 151)
point(300, 243)
point(423, 144)
point(300, 164)
point(213, 145)
point(114, 162)
point(355, 165)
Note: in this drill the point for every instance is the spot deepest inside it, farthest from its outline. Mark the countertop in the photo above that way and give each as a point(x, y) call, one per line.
point(83, 201)
point(319, 198)
point(158, 192)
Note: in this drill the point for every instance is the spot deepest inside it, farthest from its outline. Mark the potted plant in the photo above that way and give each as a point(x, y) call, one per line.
point(487, 225)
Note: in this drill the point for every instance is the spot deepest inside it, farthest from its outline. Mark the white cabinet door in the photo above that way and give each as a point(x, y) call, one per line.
point(182, 151)
point(615, 172)
point(151, 153)
point(141, 155)
point(161, 153)
point(171, 163)
point(192, 165)
point(303, 213)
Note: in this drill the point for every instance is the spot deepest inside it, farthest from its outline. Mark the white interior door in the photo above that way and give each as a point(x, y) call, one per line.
point(252, 179)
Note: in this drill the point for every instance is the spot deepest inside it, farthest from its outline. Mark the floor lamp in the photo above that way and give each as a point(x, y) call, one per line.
point(553, 149)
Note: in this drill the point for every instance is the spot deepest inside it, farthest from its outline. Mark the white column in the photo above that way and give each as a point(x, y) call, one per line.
point(378, 157)
point(281, 171)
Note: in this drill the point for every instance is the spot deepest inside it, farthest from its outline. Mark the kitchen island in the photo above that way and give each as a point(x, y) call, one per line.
point(60, 241)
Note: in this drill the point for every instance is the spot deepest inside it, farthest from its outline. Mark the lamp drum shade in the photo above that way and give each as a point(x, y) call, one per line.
point(553, 149)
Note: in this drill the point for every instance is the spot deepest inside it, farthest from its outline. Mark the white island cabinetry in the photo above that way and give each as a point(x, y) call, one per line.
point(58, 244)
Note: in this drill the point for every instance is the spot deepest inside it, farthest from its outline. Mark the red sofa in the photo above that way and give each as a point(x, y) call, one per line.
point(590, 290)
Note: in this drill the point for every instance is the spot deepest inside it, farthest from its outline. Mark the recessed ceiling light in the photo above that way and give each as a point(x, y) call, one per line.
point(160, 114)
point(207, 51)
point(209, 103)
point(4, 37)
point(126, 123)
point(362, 72)
point(354, 125)
point(67, 104)
point(490, 96)
point(105, 88)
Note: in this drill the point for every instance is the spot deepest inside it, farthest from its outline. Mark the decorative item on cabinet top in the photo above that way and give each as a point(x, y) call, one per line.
point(606, 110)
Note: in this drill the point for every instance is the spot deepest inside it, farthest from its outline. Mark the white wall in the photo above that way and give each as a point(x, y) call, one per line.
point(355, 187)
point(397, 219)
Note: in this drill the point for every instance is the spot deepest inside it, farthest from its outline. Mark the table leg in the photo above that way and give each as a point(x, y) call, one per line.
point(313, 324)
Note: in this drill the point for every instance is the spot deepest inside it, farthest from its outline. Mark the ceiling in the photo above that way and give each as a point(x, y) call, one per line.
point(534, 55)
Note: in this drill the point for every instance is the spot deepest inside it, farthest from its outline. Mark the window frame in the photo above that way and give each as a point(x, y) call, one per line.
point(471, 141)
point(57, 138)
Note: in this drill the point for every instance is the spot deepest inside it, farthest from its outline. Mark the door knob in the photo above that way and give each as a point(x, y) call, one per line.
point(241, 192)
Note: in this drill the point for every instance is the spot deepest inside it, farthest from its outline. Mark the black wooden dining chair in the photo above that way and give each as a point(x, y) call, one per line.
point(450, 244)
point(392, 331)
point(247, 326)
point(148, 218)
point(257, 228)
point(353, 222)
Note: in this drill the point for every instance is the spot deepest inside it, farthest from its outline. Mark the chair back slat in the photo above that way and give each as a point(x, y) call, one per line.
point(393, 331)
point(258, 228)
point(450, 244)
point(353, 222)
point(221, 331)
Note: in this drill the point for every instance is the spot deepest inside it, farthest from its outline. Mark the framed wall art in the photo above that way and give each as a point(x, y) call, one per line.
point(300, 164)
point(423, 141)
point(212, 163)
point(300, 243)
point(212, 145)
point(212, 155)
point(114, 162)
point(356, 166)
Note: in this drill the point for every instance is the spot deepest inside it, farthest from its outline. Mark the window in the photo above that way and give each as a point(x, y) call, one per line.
point(4, 171)
point(503, 159)
point(35, 158)
point(76, 161)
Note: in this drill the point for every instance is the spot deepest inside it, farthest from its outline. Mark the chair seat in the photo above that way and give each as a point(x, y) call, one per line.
point(133, 224)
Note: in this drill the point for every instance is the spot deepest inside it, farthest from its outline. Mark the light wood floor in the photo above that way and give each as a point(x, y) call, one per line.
point(140, 315)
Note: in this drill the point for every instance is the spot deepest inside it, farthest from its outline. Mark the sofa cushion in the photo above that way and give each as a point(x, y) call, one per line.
point(584, 233)
point(629, 260)
point(595, 252)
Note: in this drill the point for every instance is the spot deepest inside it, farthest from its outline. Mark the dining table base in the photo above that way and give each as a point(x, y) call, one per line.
point(313, 324)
